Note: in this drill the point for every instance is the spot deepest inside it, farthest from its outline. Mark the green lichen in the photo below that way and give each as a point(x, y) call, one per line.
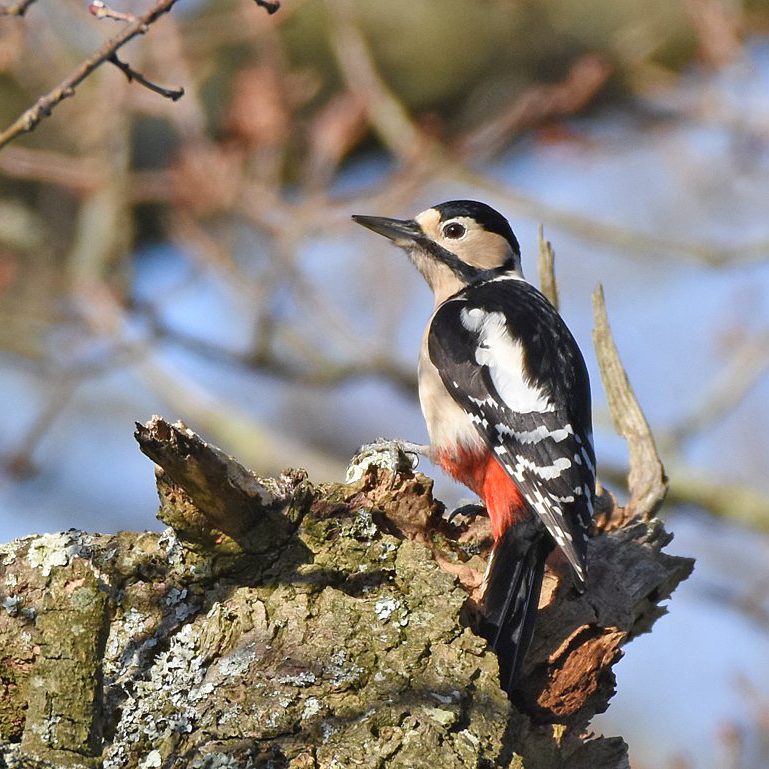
point(64, 689)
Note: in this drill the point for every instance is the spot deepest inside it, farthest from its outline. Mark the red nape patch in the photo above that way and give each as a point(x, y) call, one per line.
point(480, 471)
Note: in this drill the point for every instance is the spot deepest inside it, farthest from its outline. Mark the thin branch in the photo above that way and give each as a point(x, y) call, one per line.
point(45, 104)
point(15, 9)
point(270, 7)
point(646, 480)
point(267, 449)
point(174, 94)
point(546, 269)
point(731, 501)
point(101, 10)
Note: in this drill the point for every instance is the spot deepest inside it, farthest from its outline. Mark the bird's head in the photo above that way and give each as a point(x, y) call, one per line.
point(453, 244)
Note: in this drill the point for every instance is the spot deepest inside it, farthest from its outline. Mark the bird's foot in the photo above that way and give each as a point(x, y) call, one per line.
point(392, 455)
point(463, 514)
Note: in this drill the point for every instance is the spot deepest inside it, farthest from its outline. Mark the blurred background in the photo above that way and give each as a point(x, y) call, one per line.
point(197, 259)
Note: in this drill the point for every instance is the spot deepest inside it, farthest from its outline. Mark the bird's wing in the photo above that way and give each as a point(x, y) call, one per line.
point(514, 367)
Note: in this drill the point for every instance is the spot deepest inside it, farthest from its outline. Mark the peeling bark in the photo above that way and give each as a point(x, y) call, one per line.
point(279, 623)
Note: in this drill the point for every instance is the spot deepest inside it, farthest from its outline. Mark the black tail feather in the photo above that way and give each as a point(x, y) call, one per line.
point(510, 601)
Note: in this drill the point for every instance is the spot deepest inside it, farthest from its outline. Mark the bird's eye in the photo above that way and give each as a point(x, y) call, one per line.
point(454, 230)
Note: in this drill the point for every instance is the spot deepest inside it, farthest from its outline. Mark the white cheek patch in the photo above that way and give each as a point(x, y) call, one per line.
point(429, 221)
point(503, 356)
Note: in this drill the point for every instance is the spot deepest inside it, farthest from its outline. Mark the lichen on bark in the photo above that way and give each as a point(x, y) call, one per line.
point(328, 630)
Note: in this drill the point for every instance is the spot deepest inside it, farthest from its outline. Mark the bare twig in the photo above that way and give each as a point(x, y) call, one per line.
point(546, 268)
point(15, 9)
point(101, 10)
point(45, 104)
point(270, 7)
point(646, 480)
point(174, 94)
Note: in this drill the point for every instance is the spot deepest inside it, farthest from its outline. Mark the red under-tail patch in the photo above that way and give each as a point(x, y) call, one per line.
point(481, 472)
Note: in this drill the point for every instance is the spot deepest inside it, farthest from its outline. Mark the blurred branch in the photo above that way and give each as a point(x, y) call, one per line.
point(625, 239)
point(403, 138)
point(718, 27)
point(408, 180)
point(646, 480)
point(586, 76)
point(19, 462)
point(322, 371)
point(262, 447)
point(388, 116)
point(720, 498)
point(78, 174)
point(732, 501)
point(748, 364)
point(45, 104)
point(15, 9)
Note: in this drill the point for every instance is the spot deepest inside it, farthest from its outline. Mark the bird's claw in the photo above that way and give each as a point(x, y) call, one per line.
point(463, 514)
point(395, 456)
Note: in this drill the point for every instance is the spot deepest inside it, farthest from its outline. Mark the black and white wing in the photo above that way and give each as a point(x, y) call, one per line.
point(508, 359)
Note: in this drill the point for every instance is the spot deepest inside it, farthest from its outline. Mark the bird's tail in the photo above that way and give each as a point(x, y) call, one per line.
point(511, 595)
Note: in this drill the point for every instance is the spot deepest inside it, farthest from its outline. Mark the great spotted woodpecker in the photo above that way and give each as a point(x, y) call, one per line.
point(506, 397)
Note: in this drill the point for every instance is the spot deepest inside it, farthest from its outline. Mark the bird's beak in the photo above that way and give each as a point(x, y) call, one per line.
point(401, 231)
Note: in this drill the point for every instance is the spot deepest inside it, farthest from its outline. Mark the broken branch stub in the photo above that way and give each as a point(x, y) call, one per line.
point(647, 481)
point(546, 269)
point(203, 491)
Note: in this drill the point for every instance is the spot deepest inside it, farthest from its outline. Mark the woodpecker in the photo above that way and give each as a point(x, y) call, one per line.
point(506, 397)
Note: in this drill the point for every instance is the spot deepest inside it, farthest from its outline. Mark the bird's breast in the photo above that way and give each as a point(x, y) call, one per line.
point(450, 427)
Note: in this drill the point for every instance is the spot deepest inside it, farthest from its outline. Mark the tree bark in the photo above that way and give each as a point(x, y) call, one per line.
point(280, 623)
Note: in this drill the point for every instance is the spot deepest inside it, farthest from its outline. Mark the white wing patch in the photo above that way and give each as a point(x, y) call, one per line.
point(547, 472)
point(536, 436)
point(503, 356)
